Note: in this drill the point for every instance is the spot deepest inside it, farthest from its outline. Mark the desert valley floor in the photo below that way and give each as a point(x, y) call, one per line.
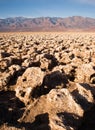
point(47, 81)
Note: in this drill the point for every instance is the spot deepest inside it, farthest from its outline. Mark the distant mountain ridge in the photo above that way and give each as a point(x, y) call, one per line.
point(74, 23)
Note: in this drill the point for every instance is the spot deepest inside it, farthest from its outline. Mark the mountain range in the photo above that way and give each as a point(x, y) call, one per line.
point(74, 23)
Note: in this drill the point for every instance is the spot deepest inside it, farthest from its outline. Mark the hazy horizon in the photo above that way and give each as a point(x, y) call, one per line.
point(46, 17)
point(47, 8)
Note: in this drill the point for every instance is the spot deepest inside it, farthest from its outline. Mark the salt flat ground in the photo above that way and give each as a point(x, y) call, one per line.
point(47, 80)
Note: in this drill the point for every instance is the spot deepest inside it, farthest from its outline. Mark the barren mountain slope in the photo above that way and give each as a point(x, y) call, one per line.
point(75, 23)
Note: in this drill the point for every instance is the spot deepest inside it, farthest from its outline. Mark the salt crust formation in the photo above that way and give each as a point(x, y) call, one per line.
point(47, 80)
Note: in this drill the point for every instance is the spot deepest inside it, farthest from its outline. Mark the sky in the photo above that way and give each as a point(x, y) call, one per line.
point(47, 8)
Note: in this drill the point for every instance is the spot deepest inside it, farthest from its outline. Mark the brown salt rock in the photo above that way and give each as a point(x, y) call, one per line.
point(44, 63)
point(6, 77)
point(7, 127)
point(84, 72)
point(63, 112)
point(83, 94)
point(30, 79)
point(61, 108)
point(5, 63)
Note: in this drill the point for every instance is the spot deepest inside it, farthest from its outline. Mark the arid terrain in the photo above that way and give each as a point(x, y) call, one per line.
point(74, 23)
point(47, 81)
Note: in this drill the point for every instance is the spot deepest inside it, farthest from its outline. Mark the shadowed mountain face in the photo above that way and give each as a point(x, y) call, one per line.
point(75, 23)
